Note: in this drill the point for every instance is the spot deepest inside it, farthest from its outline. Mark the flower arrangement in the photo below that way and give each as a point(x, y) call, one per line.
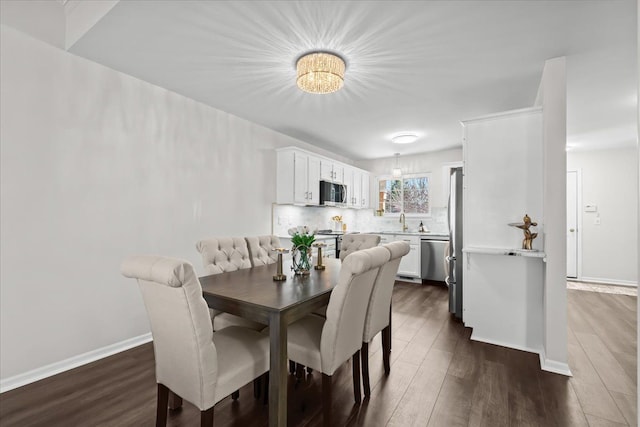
point(302, 237)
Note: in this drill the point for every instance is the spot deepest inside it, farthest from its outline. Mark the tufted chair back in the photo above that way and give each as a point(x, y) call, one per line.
point(223, 254)
point(357, 242)
point(342, 330)
point(378, 311)
point(186, 357)
point(262, 249)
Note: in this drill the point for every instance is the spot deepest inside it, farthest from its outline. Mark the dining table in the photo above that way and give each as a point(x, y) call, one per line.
point(253, 293)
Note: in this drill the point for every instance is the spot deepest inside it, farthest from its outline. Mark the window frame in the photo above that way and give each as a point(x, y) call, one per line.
point(427, 175)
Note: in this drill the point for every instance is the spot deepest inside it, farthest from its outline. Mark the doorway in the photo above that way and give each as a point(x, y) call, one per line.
point(572, 223)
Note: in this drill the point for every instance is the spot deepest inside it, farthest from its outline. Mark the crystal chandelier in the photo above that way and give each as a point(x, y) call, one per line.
point(320, 72)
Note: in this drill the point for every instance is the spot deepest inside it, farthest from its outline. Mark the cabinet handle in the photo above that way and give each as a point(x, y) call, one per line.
point(306, 195)
point(310, 195)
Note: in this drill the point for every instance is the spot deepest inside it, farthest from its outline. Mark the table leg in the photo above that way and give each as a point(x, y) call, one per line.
point(278, 372)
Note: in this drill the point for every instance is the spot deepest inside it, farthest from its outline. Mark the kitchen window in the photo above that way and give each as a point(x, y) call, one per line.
point(409, 194)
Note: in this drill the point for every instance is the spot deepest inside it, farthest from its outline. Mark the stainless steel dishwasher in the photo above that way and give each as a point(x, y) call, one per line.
point(432, 255)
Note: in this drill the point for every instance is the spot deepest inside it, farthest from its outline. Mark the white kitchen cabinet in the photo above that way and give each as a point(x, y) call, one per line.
point(366, 177)
point(331, 171)
point(357, 182)
point(299, 173)
point(298, 178)
point(410, 265)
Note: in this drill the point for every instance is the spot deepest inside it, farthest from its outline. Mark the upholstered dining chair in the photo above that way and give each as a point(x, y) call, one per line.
point(219, 255)
point(352, 243)
point(262, 249)
point(357, 242)
point(379, 311)
point(192, 361)
point(324, 344)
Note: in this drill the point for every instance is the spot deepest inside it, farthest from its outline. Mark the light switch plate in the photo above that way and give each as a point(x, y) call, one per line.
point(591, 208)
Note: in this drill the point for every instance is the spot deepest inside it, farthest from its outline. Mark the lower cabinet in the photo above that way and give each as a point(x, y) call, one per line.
point(411, 262)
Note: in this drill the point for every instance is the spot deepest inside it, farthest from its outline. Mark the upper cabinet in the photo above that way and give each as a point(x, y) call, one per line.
point(357, 182)
point(298, 178)
point(299, 174)
point(332, 171)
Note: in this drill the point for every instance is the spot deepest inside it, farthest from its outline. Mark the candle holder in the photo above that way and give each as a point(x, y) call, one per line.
point(279, 277)
point(319, 245)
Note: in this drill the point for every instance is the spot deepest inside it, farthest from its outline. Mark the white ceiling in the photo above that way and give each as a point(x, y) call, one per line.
point(411, 66)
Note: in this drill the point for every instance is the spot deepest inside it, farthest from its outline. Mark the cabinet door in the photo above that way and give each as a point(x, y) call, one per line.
point(410, 263)
point(300, 183)
point(348, 181)
point(326, 170)
point(338, 173)
point(365, 191)
point(357, 189)
point(313, 180)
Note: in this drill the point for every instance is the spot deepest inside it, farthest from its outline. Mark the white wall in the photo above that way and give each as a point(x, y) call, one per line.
point(97, 165)
point(610, 181)
point(417, 163)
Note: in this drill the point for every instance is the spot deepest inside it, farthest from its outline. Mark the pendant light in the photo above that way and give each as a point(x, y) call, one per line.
point(397, 172)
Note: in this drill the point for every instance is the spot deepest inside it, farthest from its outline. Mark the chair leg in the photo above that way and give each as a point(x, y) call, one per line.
point(266, 388)
point(356, 377)
point(299, 371)
point(163, 401)
point(309, 370)
point(257, 387)
point(235, 395)
point(292, 367)
point(386, 349)
point(175, 401)
point(326, 400)
point(206, 418)
point(364, 355)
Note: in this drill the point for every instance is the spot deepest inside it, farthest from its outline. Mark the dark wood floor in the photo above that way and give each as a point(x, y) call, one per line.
point(438, 378)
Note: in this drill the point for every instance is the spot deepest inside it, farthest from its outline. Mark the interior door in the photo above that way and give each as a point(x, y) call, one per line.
point(572, 224)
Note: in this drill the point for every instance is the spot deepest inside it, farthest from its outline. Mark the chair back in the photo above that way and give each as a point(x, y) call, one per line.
point(380, 302)
point(357, 242)
point(222, 254)
point(343, 328)
point(186, 358)
point(262, 249)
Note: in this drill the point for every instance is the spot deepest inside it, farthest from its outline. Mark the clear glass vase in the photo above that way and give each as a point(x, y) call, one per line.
point(301, 259)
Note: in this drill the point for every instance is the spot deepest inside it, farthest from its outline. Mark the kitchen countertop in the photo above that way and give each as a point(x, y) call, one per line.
point(424, 236)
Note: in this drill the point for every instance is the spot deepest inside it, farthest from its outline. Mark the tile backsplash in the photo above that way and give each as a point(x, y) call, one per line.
point(362, 220)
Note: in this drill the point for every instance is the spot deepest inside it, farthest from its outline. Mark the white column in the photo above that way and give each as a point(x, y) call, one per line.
point(553, 98)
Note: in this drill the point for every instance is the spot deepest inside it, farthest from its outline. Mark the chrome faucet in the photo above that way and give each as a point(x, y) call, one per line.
point(403, 222)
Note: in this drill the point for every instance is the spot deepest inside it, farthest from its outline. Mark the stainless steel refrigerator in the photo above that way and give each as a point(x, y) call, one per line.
point(454, 258)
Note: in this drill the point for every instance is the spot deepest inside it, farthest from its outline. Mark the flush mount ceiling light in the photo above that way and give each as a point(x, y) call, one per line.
point(320, 72)
point(397, 172)
point(404, 138)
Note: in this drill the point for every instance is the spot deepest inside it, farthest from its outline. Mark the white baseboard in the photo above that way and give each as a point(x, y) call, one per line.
point(602, 281)
point(554, 366)
point(37, 374)
point(475, 337)
point(545, 364)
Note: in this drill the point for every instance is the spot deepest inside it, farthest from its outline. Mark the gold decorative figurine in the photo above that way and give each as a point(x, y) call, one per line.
point(319, 245)
point(279, 276)
point(527, 242)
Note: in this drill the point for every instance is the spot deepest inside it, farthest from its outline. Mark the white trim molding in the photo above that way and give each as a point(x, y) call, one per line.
point(605, 281)
point(554, 366)
point(38, 374)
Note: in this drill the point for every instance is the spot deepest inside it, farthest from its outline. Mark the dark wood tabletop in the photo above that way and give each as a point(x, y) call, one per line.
point(253, 294)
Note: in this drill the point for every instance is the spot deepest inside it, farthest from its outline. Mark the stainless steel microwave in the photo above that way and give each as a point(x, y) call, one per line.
point(332, 194)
